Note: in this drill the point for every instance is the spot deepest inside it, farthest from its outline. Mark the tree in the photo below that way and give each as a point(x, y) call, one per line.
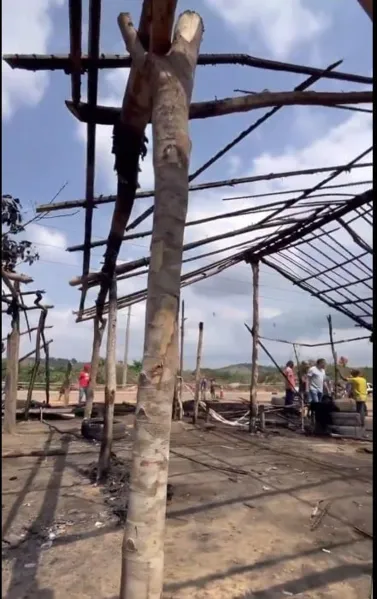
point(14, 251)
point(171, 80)
point(137, 366)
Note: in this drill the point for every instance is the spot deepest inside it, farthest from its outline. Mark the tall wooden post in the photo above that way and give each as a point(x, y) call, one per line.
point(37, 361)
point(197, 373)
point(334, 355)
point(98, 331)
point(110, 386)
point(255, 347)
point(367, 5)
point(182, 349)
point(126, 345)
point(171, 80)
point(11, 380)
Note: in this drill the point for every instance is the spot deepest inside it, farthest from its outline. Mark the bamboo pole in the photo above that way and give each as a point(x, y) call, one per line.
point(126, 345)
point(98, 331)
point(254, 354)
point(197, 373)
point(110, 387)
point(66, 385)
point(11, 381)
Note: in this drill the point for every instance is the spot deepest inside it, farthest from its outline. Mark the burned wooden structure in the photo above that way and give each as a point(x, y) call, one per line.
point(297, 237)
point(13, 297)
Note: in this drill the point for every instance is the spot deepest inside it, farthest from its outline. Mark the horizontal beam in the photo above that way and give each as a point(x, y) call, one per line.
point(63, 62)
point(108, 115)
point(14, 276)
point(201, 186)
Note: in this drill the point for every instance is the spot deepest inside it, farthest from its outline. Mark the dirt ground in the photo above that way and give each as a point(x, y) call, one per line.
point(240, 524)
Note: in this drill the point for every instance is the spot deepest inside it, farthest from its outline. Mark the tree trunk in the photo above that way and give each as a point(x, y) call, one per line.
point(110, 387)
point(11, 381)
point(126, 345)
point(98, 330)
point(254, 355)
point(197, 374)
point(37, 361)
point(171, 80)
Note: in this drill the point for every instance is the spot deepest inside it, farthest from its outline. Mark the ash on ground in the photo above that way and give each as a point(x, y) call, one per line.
point(116, 487)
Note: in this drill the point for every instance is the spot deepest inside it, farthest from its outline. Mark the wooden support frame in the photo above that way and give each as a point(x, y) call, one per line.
point(254, 354)
point(199, 352)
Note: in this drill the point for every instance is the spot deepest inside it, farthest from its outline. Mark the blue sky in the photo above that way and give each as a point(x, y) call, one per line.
point(44, 147)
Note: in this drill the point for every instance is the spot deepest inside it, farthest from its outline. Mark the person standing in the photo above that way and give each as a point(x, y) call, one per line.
point(290, 384)
point(303, 382)
point(84, 378)
point(317, 384)
point(358, 392)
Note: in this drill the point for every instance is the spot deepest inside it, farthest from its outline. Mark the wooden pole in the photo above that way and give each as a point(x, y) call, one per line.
point(66, 385)
point(177, 403)
point(126, 345)
point(171, 79)
point(110, 387)
point(334, 355)
point(302, 405)
point(197, 373)
point(182, 349)
point(11, 381)
point(98, 331)
point(37, 361)
point(46, 349)
point(254, 351)
point(367, 5)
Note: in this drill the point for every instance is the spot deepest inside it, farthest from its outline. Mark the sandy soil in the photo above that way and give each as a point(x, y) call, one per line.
point(238, 527)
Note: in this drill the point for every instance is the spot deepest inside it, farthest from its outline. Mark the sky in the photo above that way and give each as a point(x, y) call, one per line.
point(44, 149)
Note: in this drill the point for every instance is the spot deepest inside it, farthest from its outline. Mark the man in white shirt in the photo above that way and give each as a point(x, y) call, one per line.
point(318, 381)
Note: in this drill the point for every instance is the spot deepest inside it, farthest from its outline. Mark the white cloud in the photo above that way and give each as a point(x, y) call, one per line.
point(26, 28)
point(50, 244)
point(282, 26)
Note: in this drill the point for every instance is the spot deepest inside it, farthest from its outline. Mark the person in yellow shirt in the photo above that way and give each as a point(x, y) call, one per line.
point(359, 392)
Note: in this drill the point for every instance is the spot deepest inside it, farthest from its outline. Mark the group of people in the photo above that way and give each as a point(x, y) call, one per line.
point(313, 384)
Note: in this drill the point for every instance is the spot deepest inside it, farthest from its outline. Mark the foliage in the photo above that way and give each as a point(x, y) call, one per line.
point(137, 366)
point(13, 250)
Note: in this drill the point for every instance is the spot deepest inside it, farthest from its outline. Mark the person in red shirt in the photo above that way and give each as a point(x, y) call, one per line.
point(84, 378)
point(290, 383)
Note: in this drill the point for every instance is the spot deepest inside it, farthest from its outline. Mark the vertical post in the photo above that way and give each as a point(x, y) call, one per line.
point(110, 386)
point(98, 330)
point(171, 80)
point(197, 373)
point(367, 5)
point(126, 345)
point(302, 405)
point(177, 404)
point(11, 381)
point(182, 345)
point(37, 361)
point(47, 370)
point(262, 418)
point(335, 359)
point(254, 352)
